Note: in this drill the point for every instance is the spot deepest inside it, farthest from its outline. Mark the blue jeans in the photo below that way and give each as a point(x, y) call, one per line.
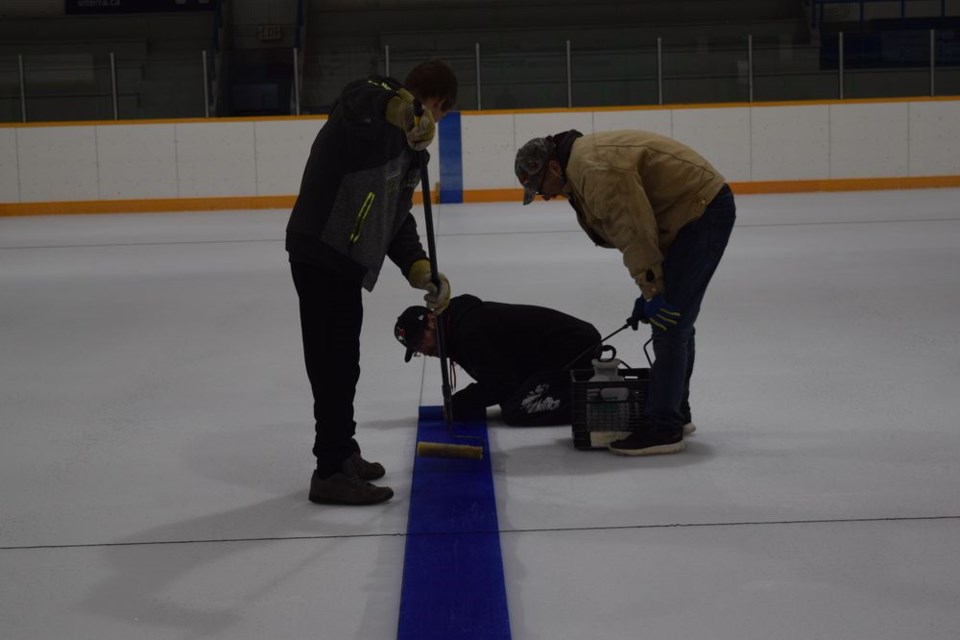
point(690, 263)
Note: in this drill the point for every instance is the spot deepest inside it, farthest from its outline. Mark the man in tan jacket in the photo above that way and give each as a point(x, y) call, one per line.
point(670, 213)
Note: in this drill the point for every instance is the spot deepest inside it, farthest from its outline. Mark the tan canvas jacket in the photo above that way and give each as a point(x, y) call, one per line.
point(636, 190)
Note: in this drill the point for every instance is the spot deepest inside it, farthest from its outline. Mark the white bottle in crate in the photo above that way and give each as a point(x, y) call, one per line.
point(608, 411)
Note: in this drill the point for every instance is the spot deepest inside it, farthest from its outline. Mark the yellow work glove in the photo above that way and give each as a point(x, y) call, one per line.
point(419, 131)
point(420, 278)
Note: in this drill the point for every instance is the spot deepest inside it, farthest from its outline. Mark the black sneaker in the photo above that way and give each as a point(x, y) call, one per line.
point(346, 488)
point(648, 443)
point(364, 469)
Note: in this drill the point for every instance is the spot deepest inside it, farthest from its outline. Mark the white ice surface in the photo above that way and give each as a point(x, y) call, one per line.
point(155, 434)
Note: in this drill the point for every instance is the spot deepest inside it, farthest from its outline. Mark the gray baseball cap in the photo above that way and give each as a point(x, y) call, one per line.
point(531, 162)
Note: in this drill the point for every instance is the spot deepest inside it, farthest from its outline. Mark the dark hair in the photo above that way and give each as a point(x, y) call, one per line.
point(433, 79)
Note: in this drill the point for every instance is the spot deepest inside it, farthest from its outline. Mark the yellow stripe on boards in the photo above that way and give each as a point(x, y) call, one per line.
point(707, 105)
point(500, 112)
point(845, 184)
point(470, 196)
point(770, 186)
point(159, 205)
point(493, 195)
point(102, 123)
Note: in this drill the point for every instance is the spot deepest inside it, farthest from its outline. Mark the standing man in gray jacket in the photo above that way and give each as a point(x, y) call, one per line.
point(353, 210)
point(670, 213)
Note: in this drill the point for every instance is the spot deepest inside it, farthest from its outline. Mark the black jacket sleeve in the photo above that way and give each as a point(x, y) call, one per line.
point(470, 402)
point(406, 248)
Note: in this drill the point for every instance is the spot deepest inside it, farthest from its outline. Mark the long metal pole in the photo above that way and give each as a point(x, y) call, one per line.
point(113, 86)
point(659, 71)
point(840, 66)
point(569, 78)
point(933, 59)
point(750, 65)
point(477, 50)
point(206, 87)
point(386, 55)
point(296, 81)
point(23, 90)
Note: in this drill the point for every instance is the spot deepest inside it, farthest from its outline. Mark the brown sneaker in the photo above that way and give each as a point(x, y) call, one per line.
point(341, 488)
point(364, 469)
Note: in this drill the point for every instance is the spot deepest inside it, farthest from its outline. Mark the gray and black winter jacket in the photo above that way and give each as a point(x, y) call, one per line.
point(355, 197)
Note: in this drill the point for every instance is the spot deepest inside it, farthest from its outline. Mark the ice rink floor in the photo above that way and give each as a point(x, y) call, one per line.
point(155, 433)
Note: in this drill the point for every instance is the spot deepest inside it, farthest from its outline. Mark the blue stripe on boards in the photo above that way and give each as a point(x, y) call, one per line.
point(451, 160)
point(453, 585)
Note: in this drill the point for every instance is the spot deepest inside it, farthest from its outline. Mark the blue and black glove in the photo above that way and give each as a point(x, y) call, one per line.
point(638, 315)
point(655, 311)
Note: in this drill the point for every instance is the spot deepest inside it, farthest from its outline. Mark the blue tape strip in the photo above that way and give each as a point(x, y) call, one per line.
point(451, 159)
point(453, 586)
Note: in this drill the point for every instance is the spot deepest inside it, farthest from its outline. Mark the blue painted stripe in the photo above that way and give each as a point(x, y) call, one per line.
point(453, 586)
point(451, 159)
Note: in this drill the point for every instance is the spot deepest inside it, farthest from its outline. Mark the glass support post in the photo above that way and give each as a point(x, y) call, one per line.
point(296, 81)
point(659, 71)
point(113, 86)
point(933, 60)
point(840, 66)
point(206, 85)
point(23, 89)
point(477, 56)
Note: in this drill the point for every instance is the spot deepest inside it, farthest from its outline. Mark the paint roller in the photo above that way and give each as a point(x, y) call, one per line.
point(441, 449)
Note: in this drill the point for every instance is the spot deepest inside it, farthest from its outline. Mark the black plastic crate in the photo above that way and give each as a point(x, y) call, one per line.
point(599, 420)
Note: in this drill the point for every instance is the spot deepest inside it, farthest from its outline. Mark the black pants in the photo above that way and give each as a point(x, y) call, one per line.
point(542, 400)
point(331, 315)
